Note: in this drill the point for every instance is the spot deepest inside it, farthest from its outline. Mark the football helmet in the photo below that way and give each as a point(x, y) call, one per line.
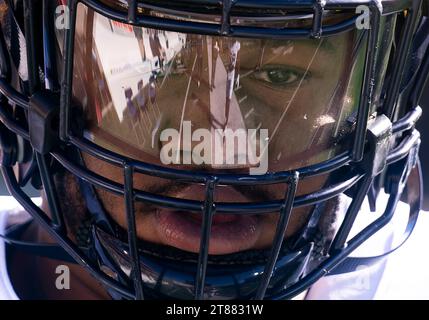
point(327, 90)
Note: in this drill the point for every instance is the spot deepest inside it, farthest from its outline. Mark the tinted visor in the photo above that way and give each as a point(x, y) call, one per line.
point(170, 98)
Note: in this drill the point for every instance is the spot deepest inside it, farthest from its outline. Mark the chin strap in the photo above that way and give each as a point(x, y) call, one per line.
point(414, 195)
point(45, 250)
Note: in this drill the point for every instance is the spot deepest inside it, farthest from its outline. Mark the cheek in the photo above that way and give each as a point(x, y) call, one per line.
point(299, 216)
point(103, 168)
point(112, 203)
point(297, 220)
point(115, 206)
point(116, 175)
point(311, 185)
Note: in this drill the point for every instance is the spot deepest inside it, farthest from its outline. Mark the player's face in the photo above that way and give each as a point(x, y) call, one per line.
point(298, 91)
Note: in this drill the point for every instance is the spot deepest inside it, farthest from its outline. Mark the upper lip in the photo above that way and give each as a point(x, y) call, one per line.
point(221, 194)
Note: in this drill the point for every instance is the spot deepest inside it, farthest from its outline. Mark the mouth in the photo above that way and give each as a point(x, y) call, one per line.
point(229, 233)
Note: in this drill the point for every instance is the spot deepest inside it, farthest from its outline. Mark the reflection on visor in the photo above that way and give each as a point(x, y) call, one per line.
point(171, 98)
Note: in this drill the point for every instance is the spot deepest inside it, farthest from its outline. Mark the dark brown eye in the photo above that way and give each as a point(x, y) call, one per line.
point(278, 75)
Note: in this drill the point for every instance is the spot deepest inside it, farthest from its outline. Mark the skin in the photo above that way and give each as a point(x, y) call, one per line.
point(308, 71)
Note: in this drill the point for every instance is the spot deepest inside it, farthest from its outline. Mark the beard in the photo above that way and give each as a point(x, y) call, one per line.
point(73, 206)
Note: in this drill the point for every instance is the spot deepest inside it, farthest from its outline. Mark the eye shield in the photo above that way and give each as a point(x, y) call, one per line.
point(172, 98)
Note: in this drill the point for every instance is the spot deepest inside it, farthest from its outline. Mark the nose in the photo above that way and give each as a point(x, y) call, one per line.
point(212, 148)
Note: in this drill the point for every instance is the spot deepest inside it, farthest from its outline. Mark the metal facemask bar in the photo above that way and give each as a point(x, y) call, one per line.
point(43, 112)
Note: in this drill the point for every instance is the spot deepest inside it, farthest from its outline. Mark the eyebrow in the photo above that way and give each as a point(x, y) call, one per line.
point(325, 46)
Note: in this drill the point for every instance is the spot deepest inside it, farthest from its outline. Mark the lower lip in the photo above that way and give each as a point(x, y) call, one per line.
point(229, 234)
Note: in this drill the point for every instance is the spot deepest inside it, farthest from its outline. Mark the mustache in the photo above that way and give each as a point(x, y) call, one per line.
point(251, 193)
